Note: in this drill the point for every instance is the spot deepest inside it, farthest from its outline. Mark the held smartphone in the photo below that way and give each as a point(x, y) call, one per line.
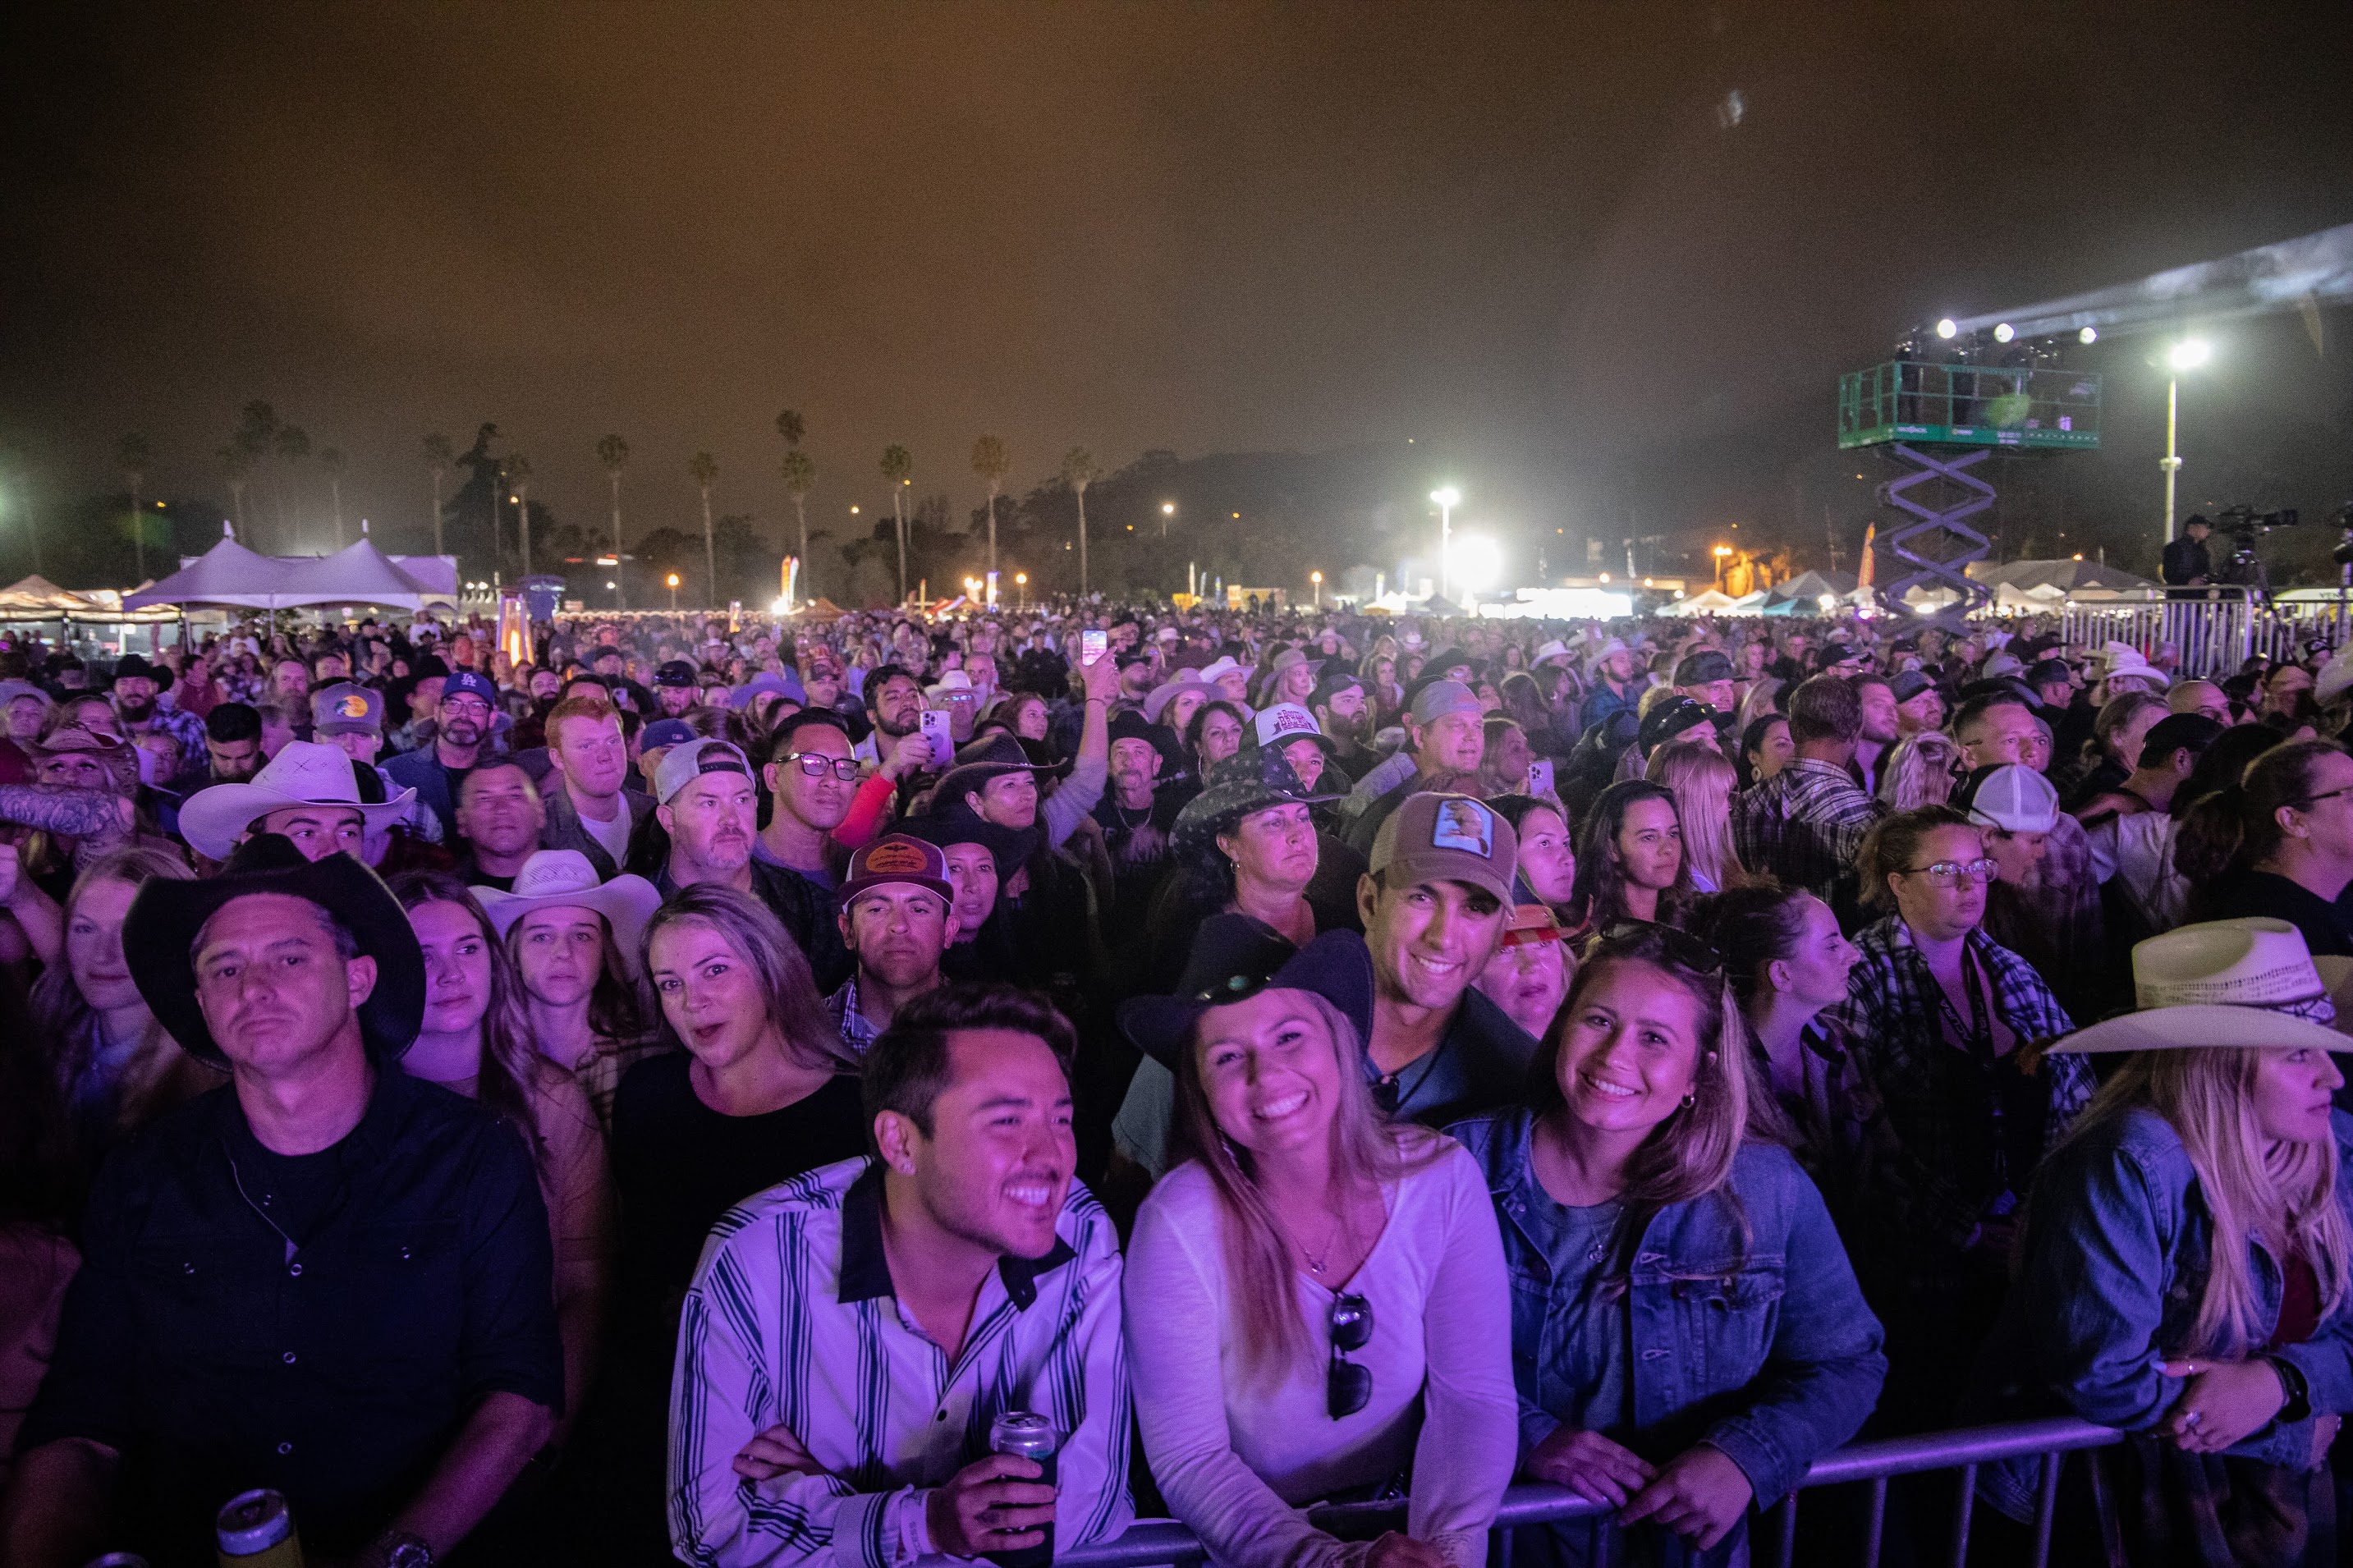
point(1093, 642)
point(1540, 776)
point(940, 731)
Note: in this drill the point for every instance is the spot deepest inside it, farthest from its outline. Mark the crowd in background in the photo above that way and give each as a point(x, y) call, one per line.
point(669, 1094)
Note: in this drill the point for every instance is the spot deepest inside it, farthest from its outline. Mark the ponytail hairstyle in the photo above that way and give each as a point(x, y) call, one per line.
point(1689, 1156)
point(2283, 1199)
point(2238, 826)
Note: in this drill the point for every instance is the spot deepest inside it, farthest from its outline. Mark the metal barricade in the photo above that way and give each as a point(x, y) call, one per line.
point(1164, 1541)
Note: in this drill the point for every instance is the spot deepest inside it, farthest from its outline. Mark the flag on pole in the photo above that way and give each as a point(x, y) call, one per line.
point(1870, 532)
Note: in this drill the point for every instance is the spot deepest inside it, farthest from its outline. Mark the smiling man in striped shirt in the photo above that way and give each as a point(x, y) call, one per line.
point(852, 1335)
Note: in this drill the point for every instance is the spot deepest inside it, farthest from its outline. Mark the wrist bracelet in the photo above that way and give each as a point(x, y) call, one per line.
point(2296, 1394)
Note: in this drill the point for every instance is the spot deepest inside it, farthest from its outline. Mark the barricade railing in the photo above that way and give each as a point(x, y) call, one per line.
point(1773, 1538)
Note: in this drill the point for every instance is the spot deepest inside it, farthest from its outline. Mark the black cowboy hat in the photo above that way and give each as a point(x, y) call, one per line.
point(959, 824)
point(1249, 780)
point(1234, 958)
point(166, 916)
point(991, 756)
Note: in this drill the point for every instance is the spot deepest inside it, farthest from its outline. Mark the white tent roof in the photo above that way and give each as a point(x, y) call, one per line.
point(1706, 602)
point(229, 573)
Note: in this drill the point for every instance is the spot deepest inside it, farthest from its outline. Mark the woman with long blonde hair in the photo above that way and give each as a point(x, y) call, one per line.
point(2189, 1259)
point(1635, 1205)
point(1315, 1299)
point(1702, 782)
point(1918, 771)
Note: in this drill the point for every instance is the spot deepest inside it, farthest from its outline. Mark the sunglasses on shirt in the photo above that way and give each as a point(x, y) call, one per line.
point(1348, 1387)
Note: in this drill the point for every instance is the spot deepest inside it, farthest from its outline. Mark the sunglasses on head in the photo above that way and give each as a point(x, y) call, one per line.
point(1348, 1387)
point(1681, 946)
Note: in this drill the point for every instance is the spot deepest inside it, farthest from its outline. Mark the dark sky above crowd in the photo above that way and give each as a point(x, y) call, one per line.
point(1581, 253)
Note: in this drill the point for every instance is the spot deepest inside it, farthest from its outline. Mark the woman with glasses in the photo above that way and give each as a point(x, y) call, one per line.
point(1315, 1305)
point(1944, 1011)
point(1686, 1332)
point(2279, 843)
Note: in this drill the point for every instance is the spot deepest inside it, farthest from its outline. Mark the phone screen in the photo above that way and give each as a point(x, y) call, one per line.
point(1540, 776)
point(1092, 644)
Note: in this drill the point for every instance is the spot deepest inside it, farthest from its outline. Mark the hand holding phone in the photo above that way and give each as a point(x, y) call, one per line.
point(1540, 776)
point(1092, 643)
point(938, 728)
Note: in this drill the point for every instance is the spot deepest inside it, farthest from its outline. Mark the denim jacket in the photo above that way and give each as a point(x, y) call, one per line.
point(2115, 1267)
point(1764, 1351)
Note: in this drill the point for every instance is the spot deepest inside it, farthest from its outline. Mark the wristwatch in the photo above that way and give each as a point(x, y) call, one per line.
point(399, 1549)
point(2296, 1405)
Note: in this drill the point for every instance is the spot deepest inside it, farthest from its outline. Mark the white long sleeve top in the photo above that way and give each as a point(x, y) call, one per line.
point(1238, 1459)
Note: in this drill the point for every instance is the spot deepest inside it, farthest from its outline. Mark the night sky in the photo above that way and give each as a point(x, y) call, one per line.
point(1539, 240)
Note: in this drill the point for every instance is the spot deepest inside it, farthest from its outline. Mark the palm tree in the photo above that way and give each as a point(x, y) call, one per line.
point(330, 462)
point(518, 473)
point(438, 455)
point(1079, 471)
point(989, 461)
point(705, 468)
point(791, 427)
point(236, 464)
point(614, 453)
point(133, 453)
point(898, 467)
point(800, 473)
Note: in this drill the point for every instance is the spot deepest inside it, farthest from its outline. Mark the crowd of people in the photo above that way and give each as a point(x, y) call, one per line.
point(668, 1097)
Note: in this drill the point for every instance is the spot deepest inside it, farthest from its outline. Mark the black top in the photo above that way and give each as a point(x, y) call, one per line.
point(677, 1165)
point(2236, 894)
point(322, 1325)
point(807, 910)
point(2185, 561)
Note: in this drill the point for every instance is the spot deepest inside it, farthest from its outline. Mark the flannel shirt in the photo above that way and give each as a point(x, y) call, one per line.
point(1804, 824)
point(187, 733)
point(856, 1029)
point(1937, 1096)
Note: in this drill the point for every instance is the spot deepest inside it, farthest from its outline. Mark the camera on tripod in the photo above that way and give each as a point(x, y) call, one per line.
point(2243, 524)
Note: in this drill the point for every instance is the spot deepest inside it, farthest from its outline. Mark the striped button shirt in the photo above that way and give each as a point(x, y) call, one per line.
point(1805, 825)
point(792, 1321)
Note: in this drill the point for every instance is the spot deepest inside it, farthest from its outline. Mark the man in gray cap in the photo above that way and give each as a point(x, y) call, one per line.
point(706, 802)
point(1446, 732)
point(1705, 677)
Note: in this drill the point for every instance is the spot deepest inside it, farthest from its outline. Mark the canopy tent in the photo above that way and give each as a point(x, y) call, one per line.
point(1706, 602)
point(2053, 580)
point(228, 573)
point(1812, 587)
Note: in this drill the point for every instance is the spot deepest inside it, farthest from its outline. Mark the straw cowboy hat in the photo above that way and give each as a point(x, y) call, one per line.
point(2248, 981)
point(564, 880)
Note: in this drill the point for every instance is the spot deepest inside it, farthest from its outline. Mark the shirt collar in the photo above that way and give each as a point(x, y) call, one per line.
point(866, 1272)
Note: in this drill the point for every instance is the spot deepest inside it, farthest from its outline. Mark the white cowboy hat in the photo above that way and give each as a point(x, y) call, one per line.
point(1553, 650)
point(2248, 981)
point(562, 878)
point(305, 774)
point(2125, 660)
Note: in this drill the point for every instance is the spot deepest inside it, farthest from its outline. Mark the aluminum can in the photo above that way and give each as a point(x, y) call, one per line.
point(256, 1529)
point(1026, 1436)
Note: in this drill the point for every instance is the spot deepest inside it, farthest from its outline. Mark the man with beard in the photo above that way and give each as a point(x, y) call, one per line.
point(1882, 727)
point(707, 805)
point(136, 706)
point(1135, 819)
point(1341, 712)
point(898, 919)
point(461, 726)
point(676, 688)
point(894, 705)
point(1615, 688)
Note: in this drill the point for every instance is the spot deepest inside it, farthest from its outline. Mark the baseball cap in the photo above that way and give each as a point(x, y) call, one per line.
point(1333, 683)
point(345, 708)
point(1284, 721)
point(676, 672)
point(684, 763)
point(665, 732)
point(898, 858)
point(1446, 838)
point(2176, 731)
point(1703, 668)
point(2011, 797)
point(1439, 698)
point(471, 682)
point(2044, 671)
point(1909, 684)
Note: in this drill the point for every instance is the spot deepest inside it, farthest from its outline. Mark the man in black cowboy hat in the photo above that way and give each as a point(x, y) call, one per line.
point(324, 1278)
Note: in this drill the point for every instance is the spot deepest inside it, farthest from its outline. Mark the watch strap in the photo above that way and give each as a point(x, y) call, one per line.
point(2297, 1405)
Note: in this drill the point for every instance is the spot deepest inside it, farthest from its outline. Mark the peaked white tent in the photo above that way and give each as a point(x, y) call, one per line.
point(227, 573)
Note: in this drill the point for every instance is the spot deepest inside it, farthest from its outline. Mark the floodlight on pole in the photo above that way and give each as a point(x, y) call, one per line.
point(1317, 578)
point(2186, 354)
point(1448, 497)
point(2003, 332)
point(1945, 327)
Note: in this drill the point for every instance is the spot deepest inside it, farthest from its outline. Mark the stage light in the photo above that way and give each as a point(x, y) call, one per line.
point(2088, 335)
point(2189, 353)
point(1946, 328)
point(2004, 332)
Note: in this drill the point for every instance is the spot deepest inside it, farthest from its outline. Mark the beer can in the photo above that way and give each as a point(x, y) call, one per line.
point(1026, 1436)
point(256, 1529)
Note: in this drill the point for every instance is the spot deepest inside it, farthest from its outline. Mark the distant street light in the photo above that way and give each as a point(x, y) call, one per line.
point(1168, 511)
point(2186, 354)
point(1022, 581)
point(1720, 552)
point(672, 580)
point(1317, 578)
point(1448, 497)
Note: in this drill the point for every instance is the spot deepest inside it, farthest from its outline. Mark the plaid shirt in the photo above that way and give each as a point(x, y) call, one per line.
point(1938, 1099)
point(856, 1029)
point(1804, 824)
point(188, 731)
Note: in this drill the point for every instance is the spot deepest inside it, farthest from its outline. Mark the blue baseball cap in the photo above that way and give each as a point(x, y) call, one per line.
point(666, 733)
point(472, 682)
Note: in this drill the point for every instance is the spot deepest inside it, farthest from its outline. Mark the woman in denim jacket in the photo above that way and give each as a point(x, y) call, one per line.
point(1686, 1333)
point(2215, 1140)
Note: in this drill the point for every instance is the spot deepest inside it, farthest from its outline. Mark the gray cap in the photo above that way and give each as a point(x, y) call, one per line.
point(689, 761)
point(346, 709)
point(1439, 698)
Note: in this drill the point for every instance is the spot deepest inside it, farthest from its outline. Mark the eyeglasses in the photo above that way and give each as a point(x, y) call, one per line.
point(1348, 1387)
point(1681, 946)
point(1953, 873)
point(2311, 801)
point(814, 764)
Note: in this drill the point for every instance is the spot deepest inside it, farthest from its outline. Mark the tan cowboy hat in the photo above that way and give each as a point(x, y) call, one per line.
point(564, 879)
point(2248, 981)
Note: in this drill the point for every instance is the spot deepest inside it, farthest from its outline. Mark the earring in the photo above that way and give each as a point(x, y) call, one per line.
point(1691, 1098)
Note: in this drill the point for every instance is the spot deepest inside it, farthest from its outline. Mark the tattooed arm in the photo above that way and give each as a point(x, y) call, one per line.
point(76, 813)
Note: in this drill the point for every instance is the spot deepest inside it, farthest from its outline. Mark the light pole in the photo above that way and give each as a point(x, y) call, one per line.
point(1448, 498)
point(2186, 354)
point(1317, 578)
point(1168, 511)
point(672, 580)
point(1022, 581)
point(1720, 552)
